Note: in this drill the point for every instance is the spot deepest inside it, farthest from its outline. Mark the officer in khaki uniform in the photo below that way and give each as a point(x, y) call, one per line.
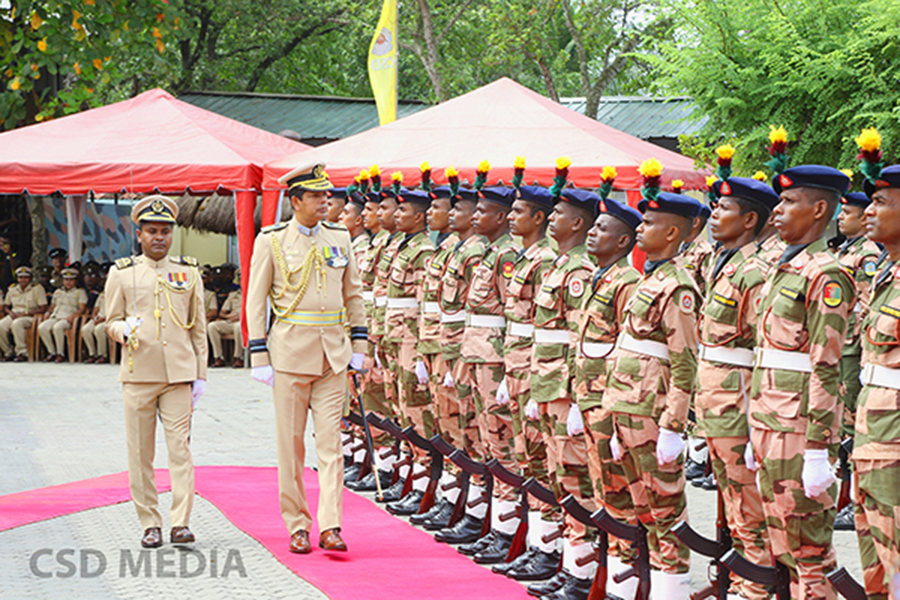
point(24, 300)
point(154, 308)
point(93, 333)
point(306, 268)
point(68, 304)
point(228, 324)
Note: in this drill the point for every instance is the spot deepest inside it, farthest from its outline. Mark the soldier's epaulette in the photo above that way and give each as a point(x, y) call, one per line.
point(185, 260)
point(124, 263)
point(275, 227)
point(330, 225)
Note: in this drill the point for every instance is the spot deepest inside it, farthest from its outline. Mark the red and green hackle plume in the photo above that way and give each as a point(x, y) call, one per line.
point(760, 176)
point(651, 171)
point(677, 186)
point(363, 181)
point(870, 157)
point(481, 175)
point(725, 154)
point(375, 177)
point(425, 170)
point(777, 149)
point(518, 172)
point(607, 177)
point(562, 175)
point(452, 176)
point(396, 182)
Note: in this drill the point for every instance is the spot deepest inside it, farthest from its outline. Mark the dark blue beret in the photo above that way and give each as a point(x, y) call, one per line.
point(676, 204)
point(584, 199)
point(748, 189)
point(705, 211)
point(414, 196)
point(340, 192)
point(813, 176)
point(535, 194)
point(623, 212)
point(890, 177)
point(856, 199)
point(499, 194)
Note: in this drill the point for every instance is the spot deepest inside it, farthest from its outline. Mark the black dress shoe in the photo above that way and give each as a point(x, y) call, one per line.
point(392, 493)
point(693, 470)
point(408, 505)
point(844, 520)
point(574, 589)
point(551, 585)
point(467, 530)
point(698, 482)
point(351, 474)
point(505, 567)
point(478, 545)
point(367, 483)
point(541, 566)
point(441, 519)
point(428, 514)
point(710, 483)
point(496, 551)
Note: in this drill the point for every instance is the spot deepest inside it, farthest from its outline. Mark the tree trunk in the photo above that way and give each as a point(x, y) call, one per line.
point(38, 230)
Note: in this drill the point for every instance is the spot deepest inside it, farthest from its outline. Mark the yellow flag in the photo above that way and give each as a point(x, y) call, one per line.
point(383, 63)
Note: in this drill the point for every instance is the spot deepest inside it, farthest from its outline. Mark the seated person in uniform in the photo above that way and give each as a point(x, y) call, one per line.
point(69, 303)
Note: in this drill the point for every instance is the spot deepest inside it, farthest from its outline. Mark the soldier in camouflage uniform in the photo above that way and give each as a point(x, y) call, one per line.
point(556, 317)
point(483, 349)
point(610, 242)
point(410, 371)
point(696, 251)
point(769, 246)
point(727, 336)
point(651, 378)
point(528, 220)
point(794, 407)
point(877, 452)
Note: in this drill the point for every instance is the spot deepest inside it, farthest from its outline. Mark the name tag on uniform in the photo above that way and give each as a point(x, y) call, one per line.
point(336, 256)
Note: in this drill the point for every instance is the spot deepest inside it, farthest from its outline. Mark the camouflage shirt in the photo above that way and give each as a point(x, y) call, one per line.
point(604, 305)
point(662, 309)
point(453, 289)
point(430, 316)
point(486, 296)
point(860, 257)
point(529, 267)
point(367, 271)
point(696, 259)
point(405, 282)
point(878, 407)
point(557, 309)
point(770, 250)
point(379, 288)
point(806, 302)
point(728, 321)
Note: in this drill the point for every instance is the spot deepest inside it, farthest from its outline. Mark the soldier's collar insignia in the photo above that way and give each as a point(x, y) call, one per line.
point(660, 275)
point(729, 269)
point(797, 263)
point(608, 278)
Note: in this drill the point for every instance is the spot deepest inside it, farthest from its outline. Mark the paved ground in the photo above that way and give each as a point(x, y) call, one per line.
point(63, 423)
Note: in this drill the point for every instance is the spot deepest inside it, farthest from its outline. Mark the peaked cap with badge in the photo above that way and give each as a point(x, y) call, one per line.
point(310, 178)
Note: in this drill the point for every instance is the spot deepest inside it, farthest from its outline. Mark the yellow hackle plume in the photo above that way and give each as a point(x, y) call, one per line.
point(760, 176)
point(677, 184)
point(374, 171)
point(519, 162)
point(563, 162)
point(650, 168)
point(725, 151)
point(869, 140)
point(777, 135)
point(710, 180)
point(847, 172)
point(484, 166)
point(424, 167)
point(608, 173)
point(451, 172)
point(364, 174)
point(397, 176)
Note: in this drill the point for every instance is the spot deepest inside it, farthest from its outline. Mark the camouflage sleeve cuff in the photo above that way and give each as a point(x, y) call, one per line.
point(674, 417)
point(817, 432)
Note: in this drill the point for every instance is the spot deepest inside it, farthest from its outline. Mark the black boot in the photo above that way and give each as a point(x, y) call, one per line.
point(693, 470)
point(496, 551)
point(431, 512)
point(844, 520)
point(351, 474)
point(441, 519)
point(710, 483)
point(574, 589)
point(476, 546)
point(551, 585)
point(699, 481)
point(467, 530)
point(541, 566)
point(391, 494)
point(367, 483)
point(517, 563)
point(408, 505)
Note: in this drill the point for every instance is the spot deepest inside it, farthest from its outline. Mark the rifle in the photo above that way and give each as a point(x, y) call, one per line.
point(637, 535)
point(369, 443)
point(393, 430)
point(368, 464)
point(446, 450)
point(583, 516)
point(515, 481)
point(437, 467)
point(713, 549)
point(846, 586)
point(473, 467)
point(845, 448)
point(777, 578)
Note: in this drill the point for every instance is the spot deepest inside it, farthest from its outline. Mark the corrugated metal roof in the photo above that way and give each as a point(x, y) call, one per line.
point(311, 116)
point(644, 117)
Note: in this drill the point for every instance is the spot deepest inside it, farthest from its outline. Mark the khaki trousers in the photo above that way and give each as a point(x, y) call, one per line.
point(295, 396)
point(94, 337)
point(53, 334)
point(17, 328)
point(172, 401)
point(217, 329)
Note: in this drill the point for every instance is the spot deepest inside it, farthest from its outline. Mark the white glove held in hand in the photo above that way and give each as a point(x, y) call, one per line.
point(131, 324)
point(356, 361)
point(750, 457)
point(377, 361)
point(574, 422)
point(503, 393)
point(448, 381)
point(531, 410)
point(421, 371)
point(817, 473)
point(668, 446)
point(197, 389)
point(614, 448)
point(264, 375)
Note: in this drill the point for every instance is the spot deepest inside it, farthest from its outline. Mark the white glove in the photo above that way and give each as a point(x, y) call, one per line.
point(503, 393)
point(131, 324)
point(531, 410)
point(197, 390)
point(377, 361)
point(448, 381)
point(574, 422)
point(264, 375)
point(750, 457)
point(817, 473)
point(356, 361)
point(421, 371)
point(668, 446)
point(614, 448)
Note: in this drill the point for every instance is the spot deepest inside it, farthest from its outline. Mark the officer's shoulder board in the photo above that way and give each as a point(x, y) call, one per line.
point(185, 260)
point(330, 225)
point(125, 262)
point(275, 227)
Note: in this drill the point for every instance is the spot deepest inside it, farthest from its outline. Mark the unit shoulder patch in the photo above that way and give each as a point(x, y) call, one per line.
point(576, 288)
point(832, 294)
point(686, 301)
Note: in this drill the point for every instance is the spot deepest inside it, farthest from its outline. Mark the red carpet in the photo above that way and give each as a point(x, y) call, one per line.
point(388, 558)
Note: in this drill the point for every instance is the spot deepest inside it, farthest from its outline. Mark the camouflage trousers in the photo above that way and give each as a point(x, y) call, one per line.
point(414, 397)
point(661, 486)
point(372, 389)
point(848, 392)
point(494, 423)
point(878, 522)
point(464, 377)
point(387, 355)
point(611, 489)
point(743, 508)
point(528, 439)
point(567, 463)
point(445, 406)
point(800, 528)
